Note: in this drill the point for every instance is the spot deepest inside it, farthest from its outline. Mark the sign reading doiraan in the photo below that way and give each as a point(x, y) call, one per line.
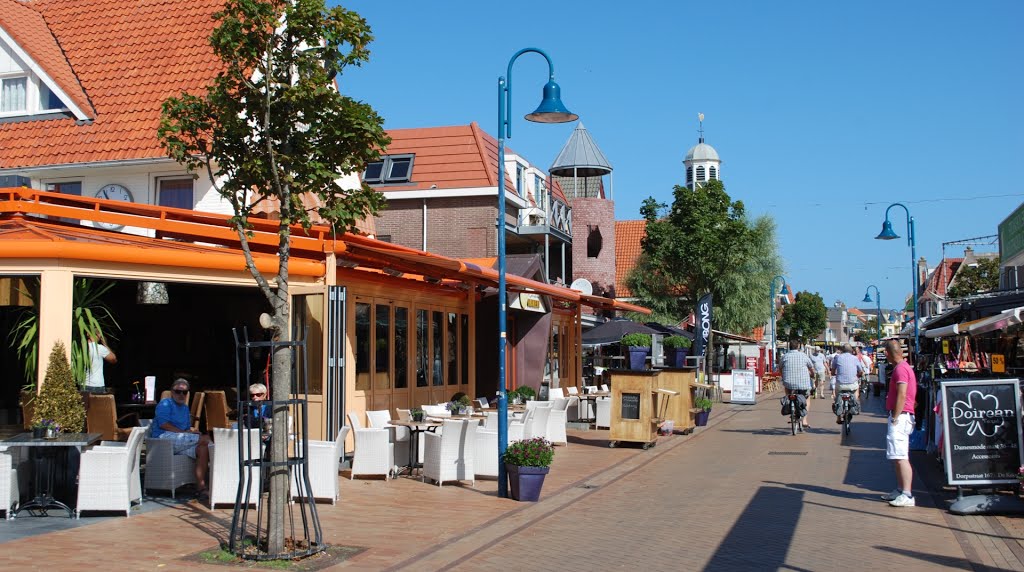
point(981, 423)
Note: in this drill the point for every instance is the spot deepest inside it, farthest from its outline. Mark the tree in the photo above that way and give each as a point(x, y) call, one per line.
point(705, 243)
point(869, 331)
point(804, 318)
point(274, 127)
point(974, 279)
point(59, 399)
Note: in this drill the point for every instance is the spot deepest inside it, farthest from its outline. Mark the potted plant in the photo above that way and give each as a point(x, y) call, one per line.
point(416, 414)
point(676, 350)
point(638, 346)
point(701, 417)
point(527, 463)
point(459, 406)
point(526, 393)
point(45, 429)
point(59, 399)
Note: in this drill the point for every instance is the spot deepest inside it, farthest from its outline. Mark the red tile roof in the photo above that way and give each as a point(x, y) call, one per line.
point(127, 56)
point(938, 281)
point(628, 234)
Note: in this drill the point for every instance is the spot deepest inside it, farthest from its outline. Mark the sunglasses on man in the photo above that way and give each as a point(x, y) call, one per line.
point(179, 391)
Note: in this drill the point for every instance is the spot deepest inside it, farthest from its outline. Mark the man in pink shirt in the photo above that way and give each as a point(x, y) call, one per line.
point(900, 405)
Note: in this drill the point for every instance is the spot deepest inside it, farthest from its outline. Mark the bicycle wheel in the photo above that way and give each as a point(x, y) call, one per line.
point(793, 422)
point(846, 422)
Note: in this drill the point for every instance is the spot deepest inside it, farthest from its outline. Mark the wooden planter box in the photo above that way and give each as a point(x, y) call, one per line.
point(680, 406)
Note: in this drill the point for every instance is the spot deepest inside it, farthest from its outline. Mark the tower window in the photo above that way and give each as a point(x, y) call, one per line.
point(519, 179)
point(594, 241)
point(712, 173)
point(689, 174)
point(700, 174)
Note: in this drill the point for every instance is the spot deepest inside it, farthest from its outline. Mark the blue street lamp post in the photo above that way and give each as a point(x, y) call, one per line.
point(774, 300)
point(551, 110)
point(878, 299)
point(888, 234)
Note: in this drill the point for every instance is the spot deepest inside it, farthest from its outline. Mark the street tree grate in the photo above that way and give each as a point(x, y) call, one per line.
point(787, 452)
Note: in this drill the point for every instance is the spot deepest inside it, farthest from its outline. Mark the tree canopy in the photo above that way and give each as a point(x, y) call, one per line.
point(804, 319)
point(976, 279)
point(705, 243)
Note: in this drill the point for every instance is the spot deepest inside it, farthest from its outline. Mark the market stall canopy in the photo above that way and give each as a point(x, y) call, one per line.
point(612, 331)
point(1000, 321)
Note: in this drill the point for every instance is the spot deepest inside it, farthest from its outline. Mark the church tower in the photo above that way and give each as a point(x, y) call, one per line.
point(702, 162)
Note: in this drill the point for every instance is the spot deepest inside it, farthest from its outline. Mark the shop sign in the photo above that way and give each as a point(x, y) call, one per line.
point(743, 386)
point(751, 362)
point(981, 425)
point(998, 363)
point(529, 302)
point(1011, 235)
point(945, 346)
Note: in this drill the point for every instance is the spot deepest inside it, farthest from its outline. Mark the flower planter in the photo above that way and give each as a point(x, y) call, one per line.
point(525, 482)
point(677, 356)
point(38, 432)
point(700, 419)
point(638, 357)
point(417, 416)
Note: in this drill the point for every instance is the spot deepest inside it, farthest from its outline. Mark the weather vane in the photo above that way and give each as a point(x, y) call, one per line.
point(700, 123)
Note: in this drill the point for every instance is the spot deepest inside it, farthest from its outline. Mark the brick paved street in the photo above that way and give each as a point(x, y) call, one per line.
point(740, 494)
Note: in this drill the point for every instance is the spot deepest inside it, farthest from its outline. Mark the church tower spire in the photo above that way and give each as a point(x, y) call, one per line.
point(702, 162)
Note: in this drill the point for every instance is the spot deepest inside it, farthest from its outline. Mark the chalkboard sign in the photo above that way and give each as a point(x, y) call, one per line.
point(744, 385)
point(630, 406)
point(981, 423)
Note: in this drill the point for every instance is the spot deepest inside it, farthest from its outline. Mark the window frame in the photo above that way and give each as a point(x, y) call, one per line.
point(27, 110)
point(160, 190)
point(387, 163)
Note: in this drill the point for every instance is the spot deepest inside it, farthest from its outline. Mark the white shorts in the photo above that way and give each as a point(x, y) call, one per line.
point(897, 440)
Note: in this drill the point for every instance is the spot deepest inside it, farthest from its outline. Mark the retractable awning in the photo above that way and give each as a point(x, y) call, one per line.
point(1000, 321)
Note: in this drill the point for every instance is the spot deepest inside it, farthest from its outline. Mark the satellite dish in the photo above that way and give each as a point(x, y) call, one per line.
point(582, 285)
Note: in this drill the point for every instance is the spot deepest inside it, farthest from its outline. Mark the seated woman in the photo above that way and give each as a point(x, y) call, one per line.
point(173, 421)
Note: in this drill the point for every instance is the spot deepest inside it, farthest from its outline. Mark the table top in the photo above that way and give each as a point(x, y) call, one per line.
point(417, 424)
point(61, 440)
point(594, 395)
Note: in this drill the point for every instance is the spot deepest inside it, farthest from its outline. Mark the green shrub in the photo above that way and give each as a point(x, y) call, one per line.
point(525, 391)
point(703, 403)
point(672, 342)
point(640, 340)
point(59, 399)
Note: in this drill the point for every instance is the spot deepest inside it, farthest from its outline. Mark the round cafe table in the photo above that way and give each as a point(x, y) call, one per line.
point(415, 428)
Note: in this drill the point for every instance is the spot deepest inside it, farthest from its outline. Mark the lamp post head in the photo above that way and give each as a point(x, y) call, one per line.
point(785, 290)
point(867, 297)
point(887, 232)
point(551, 108)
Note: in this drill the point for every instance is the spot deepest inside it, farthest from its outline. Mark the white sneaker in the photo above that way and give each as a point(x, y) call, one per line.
point(902, 500)
point(891, 496)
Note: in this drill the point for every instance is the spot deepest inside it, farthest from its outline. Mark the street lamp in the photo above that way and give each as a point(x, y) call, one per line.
point(888, 234)
point(550, 110)
point(878, 299)
point(773, 299)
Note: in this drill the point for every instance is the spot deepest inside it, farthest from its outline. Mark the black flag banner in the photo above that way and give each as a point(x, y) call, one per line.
point(702, 318)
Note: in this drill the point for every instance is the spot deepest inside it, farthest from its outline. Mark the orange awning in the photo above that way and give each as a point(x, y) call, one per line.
point(611, 304)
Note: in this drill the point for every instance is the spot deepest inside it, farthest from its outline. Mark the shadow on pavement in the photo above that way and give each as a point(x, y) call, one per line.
point(956, 563)
point(772, 513)
point(826, 491)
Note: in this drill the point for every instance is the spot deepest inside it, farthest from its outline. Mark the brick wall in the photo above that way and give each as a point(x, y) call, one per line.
point(460, 227)
point(588, 213)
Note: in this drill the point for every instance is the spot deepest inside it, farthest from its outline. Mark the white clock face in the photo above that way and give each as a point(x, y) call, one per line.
point(113, 192)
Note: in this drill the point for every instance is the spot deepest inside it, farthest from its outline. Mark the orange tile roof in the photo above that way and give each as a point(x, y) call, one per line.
point(127, 56)
point(628, 234)
point(938, 281)
point(455, 157)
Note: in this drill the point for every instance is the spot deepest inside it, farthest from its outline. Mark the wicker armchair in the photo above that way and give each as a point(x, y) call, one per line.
point(216, 404)
point(224, 469)
point(603, 415)
point(324, 459)
point(537, 426)
point(399, 435)
point(9, 491)
point(557, 420)
point(451, 456)
point(108, 476)
point(485, 460)
point(166, 471)
point(101, 417)
point(375, 454)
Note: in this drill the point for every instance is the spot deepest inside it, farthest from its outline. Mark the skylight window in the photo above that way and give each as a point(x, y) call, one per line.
point(390, 169)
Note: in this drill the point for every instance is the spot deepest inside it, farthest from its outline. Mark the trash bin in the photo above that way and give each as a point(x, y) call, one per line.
point(545, 390)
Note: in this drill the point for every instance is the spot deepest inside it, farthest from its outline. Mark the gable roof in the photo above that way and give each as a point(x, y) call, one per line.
point(938, 281)
point(125, 56)
point(628, 234)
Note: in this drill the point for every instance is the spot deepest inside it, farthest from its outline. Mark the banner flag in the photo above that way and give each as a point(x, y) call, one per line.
point(702, 317)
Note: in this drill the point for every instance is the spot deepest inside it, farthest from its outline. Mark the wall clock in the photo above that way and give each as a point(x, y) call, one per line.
point(113, 192)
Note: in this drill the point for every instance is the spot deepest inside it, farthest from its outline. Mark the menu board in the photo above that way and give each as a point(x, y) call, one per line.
point(981, 422)
point(744, 385)
point(630, 406)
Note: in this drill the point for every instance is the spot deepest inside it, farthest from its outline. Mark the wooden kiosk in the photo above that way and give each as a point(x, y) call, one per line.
point(638, 406)
point(680, 408)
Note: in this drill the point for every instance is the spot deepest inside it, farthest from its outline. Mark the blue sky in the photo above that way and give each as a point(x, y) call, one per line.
point(823, 113)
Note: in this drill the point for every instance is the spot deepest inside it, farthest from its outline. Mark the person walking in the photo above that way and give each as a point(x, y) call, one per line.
point(820, 372)
point(847, 369)
point(900, 403)
point(797, 370)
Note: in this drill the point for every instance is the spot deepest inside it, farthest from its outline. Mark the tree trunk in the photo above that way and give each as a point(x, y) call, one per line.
point(281, 389)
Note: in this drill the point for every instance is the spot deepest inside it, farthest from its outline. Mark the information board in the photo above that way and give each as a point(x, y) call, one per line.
point(981, 423)
point(744, 384)
point(630, 406)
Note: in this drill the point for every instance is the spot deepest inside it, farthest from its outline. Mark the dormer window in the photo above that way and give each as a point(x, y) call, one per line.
point(391, 169)
point(13, 94)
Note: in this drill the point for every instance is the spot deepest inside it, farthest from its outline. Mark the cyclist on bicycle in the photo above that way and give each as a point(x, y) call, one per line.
point(797, 372)
point(848, 370)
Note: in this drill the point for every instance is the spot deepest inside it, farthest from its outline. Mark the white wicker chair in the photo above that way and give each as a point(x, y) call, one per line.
point(485, 461)
point(557, 420)
point(436, 411)
point(354, 421)
point(491, 422)
point(572, 410)
point(10, 493)
point(483, 403)
point(555, 393)
point(404, 414)
point(166, 471)
point(324, 460)
point(517, 427)
point(224, 469)
point(604, 387)
point(450, 456)
point(537, 426)
point(399, 435)
point(108, 476)
point(573, 390)
point(603, 418)
point(375, 454)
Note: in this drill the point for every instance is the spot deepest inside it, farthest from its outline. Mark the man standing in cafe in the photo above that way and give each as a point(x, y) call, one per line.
point(173, 421)
point(900, 405)
point(98, 353)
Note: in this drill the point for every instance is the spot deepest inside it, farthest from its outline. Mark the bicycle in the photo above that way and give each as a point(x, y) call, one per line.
point(791, 406)
point(844, 409)
point(865, 388)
